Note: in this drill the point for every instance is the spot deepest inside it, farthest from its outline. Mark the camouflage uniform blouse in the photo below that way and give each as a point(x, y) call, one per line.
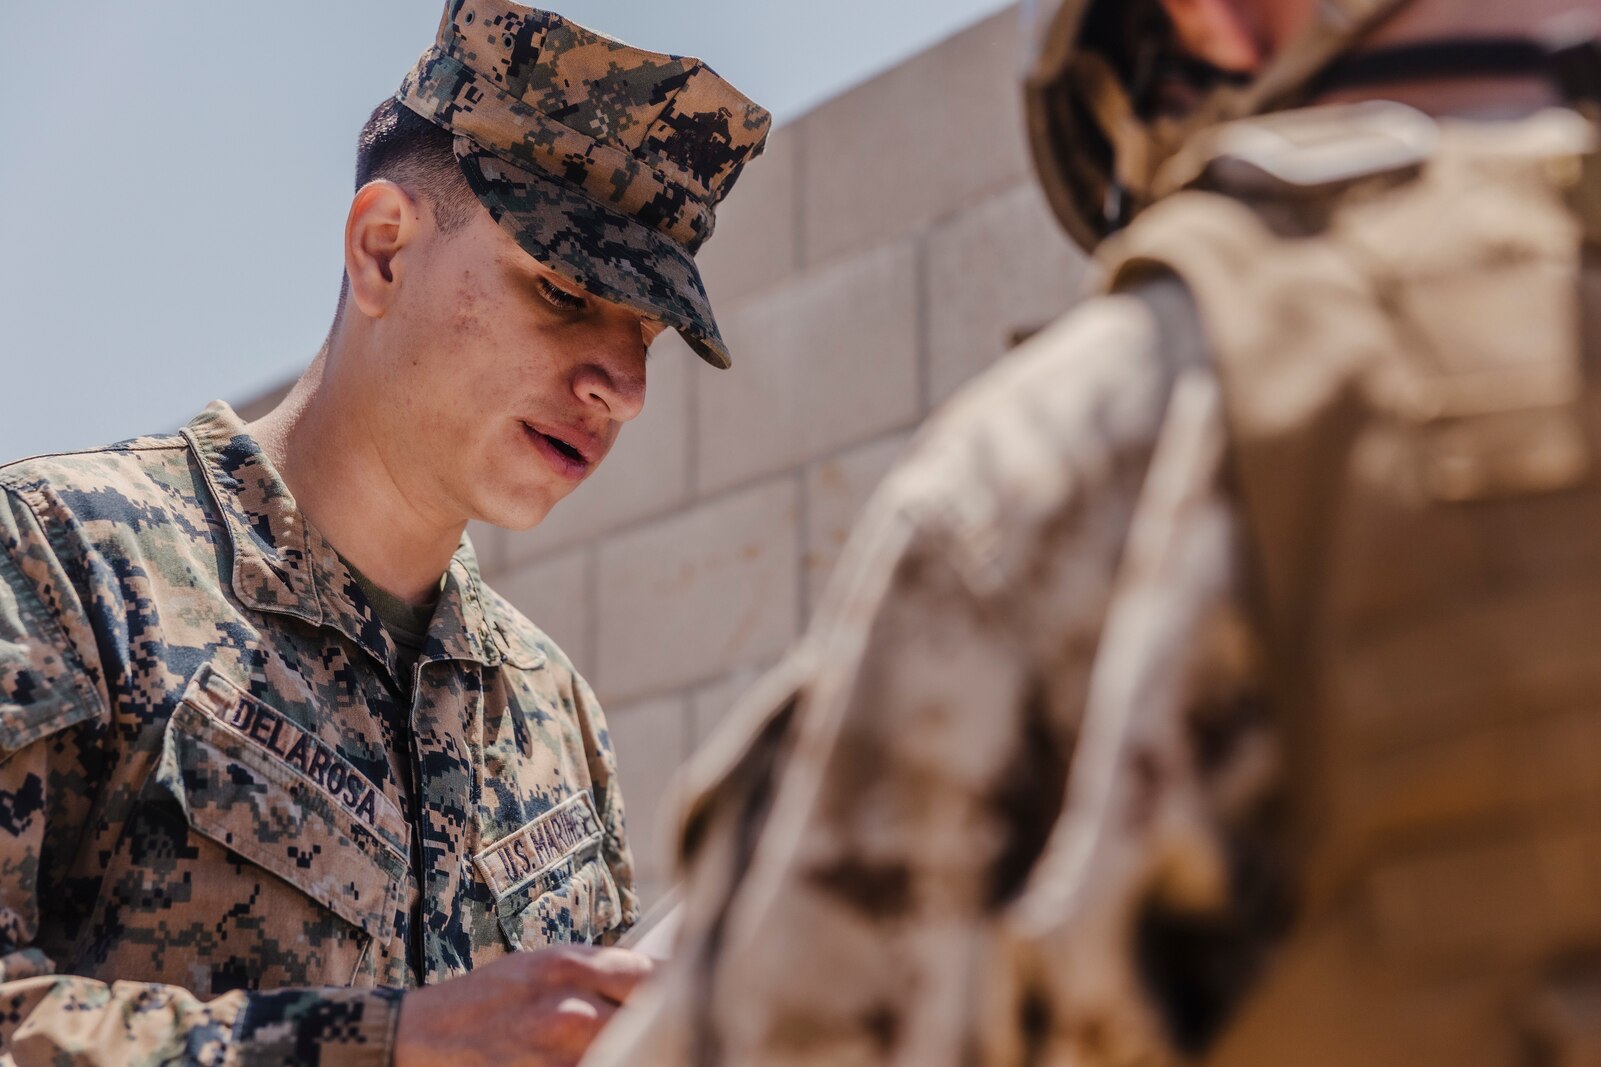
point(223, 837)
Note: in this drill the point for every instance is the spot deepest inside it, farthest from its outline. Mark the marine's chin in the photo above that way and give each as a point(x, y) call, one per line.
point(520, 502)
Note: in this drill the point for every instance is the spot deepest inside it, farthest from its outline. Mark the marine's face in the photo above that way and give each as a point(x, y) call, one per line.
point(1237, 35)
point(505, 384)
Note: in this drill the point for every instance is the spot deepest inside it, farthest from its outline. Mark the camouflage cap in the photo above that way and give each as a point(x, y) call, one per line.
point(605, 162)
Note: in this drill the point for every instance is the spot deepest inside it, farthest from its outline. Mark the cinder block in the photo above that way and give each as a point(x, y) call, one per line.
point(489, 543)
point(647, 472)
point(697, 594)
point(836, 489)
point(710, 704)
point(757, 241)
point(824, 362)
point(555, 594)
point(996, 272)
point(915, 143)
point(651, 740)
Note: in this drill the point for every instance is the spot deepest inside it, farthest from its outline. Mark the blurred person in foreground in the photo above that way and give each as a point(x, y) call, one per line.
point(281, 780)
point(1216, 680)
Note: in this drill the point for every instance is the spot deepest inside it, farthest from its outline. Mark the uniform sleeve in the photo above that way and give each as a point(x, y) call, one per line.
point(899, 777)
point(53, 724)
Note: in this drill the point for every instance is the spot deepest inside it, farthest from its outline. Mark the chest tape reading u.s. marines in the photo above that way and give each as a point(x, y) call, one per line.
point(538, 846)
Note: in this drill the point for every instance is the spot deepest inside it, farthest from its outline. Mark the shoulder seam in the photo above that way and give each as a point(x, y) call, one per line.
point(102, 450)
point(8, 475)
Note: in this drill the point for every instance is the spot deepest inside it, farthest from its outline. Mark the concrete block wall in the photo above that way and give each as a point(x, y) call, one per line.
point(888, 246)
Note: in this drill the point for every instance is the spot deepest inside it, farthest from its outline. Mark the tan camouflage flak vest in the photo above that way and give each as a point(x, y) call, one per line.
point(1404, 317)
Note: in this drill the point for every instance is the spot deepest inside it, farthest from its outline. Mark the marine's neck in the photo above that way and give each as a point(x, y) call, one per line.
point(335, 466)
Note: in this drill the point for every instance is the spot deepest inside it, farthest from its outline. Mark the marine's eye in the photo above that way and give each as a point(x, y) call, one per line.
point(561, 298)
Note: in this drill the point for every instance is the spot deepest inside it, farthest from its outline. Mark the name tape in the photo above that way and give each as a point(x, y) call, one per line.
point(310, 756)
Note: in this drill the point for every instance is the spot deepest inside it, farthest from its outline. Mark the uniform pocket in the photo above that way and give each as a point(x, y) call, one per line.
point(550, 879)
point(254, 783)
point(574, 903)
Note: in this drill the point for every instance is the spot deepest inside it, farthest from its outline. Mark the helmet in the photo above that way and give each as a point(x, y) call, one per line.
point(1110, 97)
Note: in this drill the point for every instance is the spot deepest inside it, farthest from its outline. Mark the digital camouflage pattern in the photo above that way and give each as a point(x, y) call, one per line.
point(1209, 683)
point(224, 836)
point(605, 162)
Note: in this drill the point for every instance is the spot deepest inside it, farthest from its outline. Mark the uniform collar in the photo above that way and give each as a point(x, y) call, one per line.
point(282, 564)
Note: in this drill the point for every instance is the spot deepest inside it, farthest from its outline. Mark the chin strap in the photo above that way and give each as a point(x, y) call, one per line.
point(1447, 57)
point(1337, 28)
point(1571, 62)
point(1567, 52)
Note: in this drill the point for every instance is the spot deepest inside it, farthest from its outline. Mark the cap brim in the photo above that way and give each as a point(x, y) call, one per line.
point(606, 252)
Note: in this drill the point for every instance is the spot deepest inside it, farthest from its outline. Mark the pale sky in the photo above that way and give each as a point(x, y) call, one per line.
point(174, 176)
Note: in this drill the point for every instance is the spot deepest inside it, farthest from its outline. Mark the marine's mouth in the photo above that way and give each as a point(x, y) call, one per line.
point(569, 458)
point(564, 448)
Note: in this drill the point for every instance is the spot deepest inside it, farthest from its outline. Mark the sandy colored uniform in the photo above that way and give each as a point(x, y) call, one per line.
point(877, 799)
point(223, 827)
point(1368, 496)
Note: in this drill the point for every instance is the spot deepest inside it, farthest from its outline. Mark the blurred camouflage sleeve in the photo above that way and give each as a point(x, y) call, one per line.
point(881, 799)
point(54, 730)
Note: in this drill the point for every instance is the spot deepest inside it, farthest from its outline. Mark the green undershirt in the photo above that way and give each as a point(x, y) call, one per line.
point(406, 623)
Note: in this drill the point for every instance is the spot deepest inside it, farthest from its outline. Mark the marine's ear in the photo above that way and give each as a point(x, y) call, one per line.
point(383, 223)
point(1218, 32)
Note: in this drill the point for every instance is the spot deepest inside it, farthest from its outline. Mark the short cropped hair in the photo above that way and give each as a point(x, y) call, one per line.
point(400, 145)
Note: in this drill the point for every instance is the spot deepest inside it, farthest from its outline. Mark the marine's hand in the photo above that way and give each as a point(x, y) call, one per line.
point(531, 1009)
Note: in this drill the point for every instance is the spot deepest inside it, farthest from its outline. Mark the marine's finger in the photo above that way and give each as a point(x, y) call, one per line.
point(610, 972)
point(568, 1021)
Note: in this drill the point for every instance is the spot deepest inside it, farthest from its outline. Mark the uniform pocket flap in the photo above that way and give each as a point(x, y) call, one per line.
point(229, 761)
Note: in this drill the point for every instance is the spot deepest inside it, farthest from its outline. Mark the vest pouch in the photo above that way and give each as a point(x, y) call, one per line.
point(1496, 431)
